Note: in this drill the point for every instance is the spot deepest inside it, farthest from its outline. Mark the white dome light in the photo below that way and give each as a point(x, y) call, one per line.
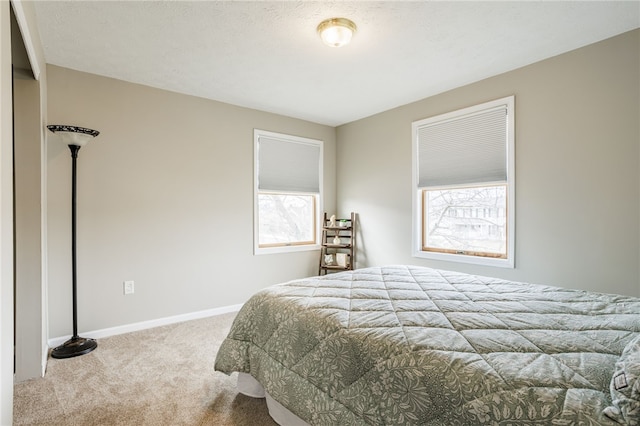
point(336, 32)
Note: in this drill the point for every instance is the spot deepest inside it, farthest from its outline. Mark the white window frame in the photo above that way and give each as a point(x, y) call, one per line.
point(417, 205)
point(257, 250)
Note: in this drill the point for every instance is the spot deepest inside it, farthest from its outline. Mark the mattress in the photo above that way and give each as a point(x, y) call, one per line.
point(400, 345)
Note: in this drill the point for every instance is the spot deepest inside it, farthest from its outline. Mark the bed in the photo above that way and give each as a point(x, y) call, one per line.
point(403, 345)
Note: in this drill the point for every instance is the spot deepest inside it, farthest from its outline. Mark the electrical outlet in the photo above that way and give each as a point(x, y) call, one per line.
point(128, 287)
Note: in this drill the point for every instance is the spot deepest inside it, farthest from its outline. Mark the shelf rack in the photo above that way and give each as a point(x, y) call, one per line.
point(340, 256)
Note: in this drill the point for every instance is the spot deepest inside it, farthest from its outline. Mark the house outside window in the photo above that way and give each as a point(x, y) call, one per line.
point(288, 192)
point(464, 186)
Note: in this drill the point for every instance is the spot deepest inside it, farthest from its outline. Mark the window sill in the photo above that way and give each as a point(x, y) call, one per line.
point(285, 249)
point(461, 258)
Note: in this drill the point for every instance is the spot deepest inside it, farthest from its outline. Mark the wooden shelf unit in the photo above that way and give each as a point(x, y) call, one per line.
point(337, 257)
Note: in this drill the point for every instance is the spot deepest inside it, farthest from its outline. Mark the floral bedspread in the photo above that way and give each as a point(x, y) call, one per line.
point(403, 345)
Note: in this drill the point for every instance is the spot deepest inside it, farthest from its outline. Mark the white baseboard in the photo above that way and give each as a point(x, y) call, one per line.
point(128, 328)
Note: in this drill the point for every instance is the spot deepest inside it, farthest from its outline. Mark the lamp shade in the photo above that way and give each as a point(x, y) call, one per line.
point(336, 32)
point(73, 135)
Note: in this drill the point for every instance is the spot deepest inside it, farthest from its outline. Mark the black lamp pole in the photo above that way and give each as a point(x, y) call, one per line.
point(76, 345)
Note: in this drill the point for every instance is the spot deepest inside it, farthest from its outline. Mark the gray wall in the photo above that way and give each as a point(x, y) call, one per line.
point(6, 219)
point(165, 198)
point(577, 170)
point(28, 228)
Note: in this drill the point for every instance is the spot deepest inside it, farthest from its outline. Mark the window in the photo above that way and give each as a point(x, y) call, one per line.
point(288, 192)
point(464, 185)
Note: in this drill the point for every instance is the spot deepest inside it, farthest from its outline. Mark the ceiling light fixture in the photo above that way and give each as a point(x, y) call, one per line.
point(336, 32)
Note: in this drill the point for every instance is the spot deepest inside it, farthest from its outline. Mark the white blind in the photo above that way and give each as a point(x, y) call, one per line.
point(464, 150)
point(288, 166)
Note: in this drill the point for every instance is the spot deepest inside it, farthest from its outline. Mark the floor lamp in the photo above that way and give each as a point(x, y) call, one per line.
point(75, 137)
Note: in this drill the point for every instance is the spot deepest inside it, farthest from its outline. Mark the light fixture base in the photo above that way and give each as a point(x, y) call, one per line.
point(75, 346)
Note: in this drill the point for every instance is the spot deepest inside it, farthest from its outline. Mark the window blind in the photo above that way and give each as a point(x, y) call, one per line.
point(463, 150)
point(288, 166)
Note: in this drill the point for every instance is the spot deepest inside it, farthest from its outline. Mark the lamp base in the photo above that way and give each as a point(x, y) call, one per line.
point(75, 346)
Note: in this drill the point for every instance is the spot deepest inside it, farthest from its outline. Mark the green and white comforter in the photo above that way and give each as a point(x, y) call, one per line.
point(403, 345)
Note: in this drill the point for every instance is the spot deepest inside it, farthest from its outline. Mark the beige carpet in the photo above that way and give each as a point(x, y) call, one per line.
point(162, 376)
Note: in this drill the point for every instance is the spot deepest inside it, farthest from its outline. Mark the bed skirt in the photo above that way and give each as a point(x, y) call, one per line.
point(249, 386)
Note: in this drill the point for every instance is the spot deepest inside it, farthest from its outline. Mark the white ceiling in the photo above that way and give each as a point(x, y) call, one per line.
point(267, 55)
